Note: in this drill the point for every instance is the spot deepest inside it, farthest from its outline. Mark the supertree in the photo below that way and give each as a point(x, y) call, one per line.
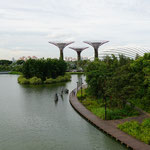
point(95, 45)
point(78, 50)
point(61, 46)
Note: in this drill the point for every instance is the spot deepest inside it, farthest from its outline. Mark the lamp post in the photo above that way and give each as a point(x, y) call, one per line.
point(81, 88)
point(77, 85)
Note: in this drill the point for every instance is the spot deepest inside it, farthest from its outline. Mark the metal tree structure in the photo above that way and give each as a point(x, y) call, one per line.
point(96, 45)
point(78, 50)
point(61, 46)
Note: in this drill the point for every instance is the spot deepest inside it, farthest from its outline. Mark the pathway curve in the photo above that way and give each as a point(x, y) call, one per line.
point(110, 126)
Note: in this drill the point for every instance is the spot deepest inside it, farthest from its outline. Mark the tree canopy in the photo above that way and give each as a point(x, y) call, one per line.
point(44, 68)
point(120, 80)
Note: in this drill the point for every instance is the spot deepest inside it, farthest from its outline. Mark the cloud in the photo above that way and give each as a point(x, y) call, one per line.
point(30, 24)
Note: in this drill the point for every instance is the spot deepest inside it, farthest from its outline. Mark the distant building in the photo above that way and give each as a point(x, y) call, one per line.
point(70, 59)
point(28, 57)
point(130, 52)
point(75, 59)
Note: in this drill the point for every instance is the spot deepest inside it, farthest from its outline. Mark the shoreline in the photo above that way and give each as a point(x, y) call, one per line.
point(108, 126)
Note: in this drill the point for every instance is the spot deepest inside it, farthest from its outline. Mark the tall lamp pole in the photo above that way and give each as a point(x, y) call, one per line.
point(81, 88)
point(77, 85)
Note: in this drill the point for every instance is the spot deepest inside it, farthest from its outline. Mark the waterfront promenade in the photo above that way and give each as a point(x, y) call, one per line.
point(110, 126)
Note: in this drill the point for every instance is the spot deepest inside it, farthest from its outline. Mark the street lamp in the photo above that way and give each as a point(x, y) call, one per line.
point(81, 88)
point(77, 85)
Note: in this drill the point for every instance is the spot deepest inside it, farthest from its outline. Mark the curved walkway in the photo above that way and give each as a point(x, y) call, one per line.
point(109, 127)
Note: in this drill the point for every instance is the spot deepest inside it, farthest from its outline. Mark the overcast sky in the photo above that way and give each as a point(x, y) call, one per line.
point(26, 26)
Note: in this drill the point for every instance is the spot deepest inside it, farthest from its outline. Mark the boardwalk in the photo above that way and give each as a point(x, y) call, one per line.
point(110, 127)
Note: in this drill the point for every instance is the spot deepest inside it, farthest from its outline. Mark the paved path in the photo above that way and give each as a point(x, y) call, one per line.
point(110, 126)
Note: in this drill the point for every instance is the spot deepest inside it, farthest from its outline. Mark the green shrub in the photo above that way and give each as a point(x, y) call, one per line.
point(49, 81)
point(23, 80)
point(35, 80)
point(15, 73)
point(146, 123)
point(137, 130)
point(64, 78)
point(96, 106)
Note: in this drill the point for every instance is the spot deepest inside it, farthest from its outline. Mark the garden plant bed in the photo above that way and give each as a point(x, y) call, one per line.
point(97, 107)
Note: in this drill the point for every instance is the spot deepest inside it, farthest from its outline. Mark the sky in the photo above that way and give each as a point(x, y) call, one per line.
point(26, 26)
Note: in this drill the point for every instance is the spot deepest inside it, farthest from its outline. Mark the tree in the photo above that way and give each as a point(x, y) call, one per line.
point(41, 68)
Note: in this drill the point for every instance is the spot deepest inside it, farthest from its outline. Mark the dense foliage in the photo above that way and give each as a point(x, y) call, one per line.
point(120, 81)
point(44, 68)
point(139, 131)
point(33, 80)
point(36, 80)
point(5, 68)
point(7, 65)
point(5, 62)
point(78, 66)
point(96, 106)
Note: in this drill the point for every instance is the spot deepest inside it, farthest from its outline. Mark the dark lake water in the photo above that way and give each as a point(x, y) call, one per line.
point(31, 120)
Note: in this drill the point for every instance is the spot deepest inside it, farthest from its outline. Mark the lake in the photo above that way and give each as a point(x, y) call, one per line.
point(31, 120)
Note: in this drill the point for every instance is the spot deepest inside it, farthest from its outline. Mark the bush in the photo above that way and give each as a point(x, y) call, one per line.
point(35, 80)
point(146, 123)
point(50, 81)
point(137, 130)
point(64, 78)
point(15, 73)
point(5, 68)
point(96, 106)
point(23, 80)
